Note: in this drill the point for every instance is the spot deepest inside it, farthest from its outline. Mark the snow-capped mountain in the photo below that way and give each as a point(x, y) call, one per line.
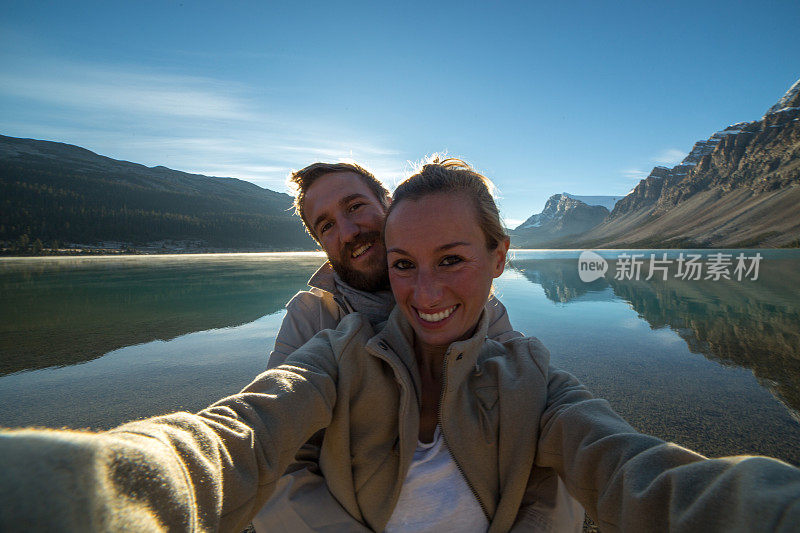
point(563, 215)
point(559, 205)
point(789, 102)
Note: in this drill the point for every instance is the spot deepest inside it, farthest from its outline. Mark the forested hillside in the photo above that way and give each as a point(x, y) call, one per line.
point(56, 194)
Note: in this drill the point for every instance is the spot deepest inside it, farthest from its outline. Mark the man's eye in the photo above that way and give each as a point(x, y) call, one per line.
point(325, 227)
point(402, 264)
point(451, 260)
point(355, 206)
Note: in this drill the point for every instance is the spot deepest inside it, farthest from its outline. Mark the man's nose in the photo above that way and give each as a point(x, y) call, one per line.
point(348, 230)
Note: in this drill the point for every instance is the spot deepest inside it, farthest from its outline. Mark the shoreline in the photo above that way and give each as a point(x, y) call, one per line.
point(92, 251)
point(121, 252)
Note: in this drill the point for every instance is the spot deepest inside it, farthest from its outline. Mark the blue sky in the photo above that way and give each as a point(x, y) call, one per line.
point(543, 97)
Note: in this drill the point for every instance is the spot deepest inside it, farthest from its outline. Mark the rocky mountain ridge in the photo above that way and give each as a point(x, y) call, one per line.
point(738, 188)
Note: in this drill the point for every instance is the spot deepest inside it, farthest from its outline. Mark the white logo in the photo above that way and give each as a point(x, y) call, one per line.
point(591, 266)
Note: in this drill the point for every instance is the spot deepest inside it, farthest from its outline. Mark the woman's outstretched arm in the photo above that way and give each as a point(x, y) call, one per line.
point(628, 481)
point(194, 472)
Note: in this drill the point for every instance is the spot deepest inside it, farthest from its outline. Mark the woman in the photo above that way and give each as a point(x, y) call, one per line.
point(445, 244)
point(504, 417)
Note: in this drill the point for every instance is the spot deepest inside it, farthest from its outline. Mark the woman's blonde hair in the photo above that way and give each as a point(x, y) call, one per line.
point(455, 176)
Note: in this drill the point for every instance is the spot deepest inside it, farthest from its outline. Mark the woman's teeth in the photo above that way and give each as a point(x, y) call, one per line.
point(436, 317)
point(360, 250)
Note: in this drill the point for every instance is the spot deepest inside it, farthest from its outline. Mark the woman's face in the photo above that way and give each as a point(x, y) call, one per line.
point(439, 267)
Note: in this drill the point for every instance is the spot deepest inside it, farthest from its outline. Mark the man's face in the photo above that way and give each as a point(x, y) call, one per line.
point(347, 219)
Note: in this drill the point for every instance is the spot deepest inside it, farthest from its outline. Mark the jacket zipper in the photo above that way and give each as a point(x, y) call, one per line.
point(398, 379)
point(444, 436)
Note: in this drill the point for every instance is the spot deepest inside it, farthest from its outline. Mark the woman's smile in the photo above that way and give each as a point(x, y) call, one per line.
point(436, 317)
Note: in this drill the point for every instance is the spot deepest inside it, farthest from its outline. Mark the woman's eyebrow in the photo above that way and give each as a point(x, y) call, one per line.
point(452, 245)
point(439, 249)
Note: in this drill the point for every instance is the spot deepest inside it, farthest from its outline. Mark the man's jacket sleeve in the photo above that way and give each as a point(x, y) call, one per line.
point(301, 323)
point(169, 472)
point(628, 481)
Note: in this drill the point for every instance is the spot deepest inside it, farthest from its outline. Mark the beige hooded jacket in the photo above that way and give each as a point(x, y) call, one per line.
point(503, 409)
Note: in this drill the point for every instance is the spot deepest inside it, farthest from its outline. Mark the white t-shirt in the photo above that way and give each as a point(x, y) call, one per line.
point(435, 496)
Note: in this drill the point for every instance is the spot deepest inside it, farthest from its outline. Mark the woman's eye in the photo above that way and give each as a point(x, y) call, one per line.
point(402, 264)
point(355, 206)
point(451, 260)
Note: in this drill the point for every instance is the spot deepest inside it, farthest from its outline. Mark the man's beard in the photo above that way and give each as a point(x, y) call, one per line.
point(375, 279)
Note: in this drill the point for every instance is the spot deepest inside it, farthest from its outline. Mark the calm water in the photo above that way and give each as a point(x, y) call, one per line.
point(713, 365)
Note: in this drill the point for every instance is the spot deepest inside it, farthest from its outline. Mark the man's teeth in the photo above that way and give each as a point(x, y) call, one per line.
point(360, 250)
point(436, 317)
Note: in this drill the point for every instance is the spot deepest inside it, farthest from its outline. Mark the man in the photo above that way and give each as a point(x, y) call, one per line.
point(343, 207)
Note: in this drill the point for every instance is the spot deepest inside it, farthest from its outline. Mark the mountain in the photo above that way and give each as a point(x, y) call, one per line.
point(606, 201)
point(57, 193)
point(738, 188)
point(563, 215)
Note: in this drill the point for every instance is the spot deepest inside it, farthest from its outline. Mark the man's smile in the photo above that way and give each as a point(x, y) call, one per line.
point(361, 250)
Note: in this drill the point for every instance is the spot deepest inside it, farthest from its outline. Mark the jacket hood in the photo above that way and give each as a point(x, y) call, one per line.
point(323, 278)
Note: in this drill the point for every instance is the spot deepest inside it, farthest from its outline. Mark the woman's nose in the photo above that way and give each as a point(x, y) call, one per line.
point(428, 290)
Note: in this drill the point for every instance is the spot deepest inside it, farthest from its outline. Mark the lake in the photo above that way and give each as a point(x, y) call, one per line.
point(713, 364)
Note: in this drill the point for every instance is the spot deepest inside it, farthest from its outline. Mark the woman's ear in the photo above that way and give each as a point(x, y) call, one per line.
point(499, 256)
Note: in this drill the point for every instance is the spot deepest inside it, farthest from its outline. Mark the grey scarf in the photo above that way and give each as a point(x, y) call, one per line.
point(376, 306)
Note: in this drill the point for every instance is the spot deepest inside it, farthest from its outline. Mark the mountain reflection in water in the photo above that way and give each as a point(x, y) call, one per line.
point(64, 311)
point(750, 324)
